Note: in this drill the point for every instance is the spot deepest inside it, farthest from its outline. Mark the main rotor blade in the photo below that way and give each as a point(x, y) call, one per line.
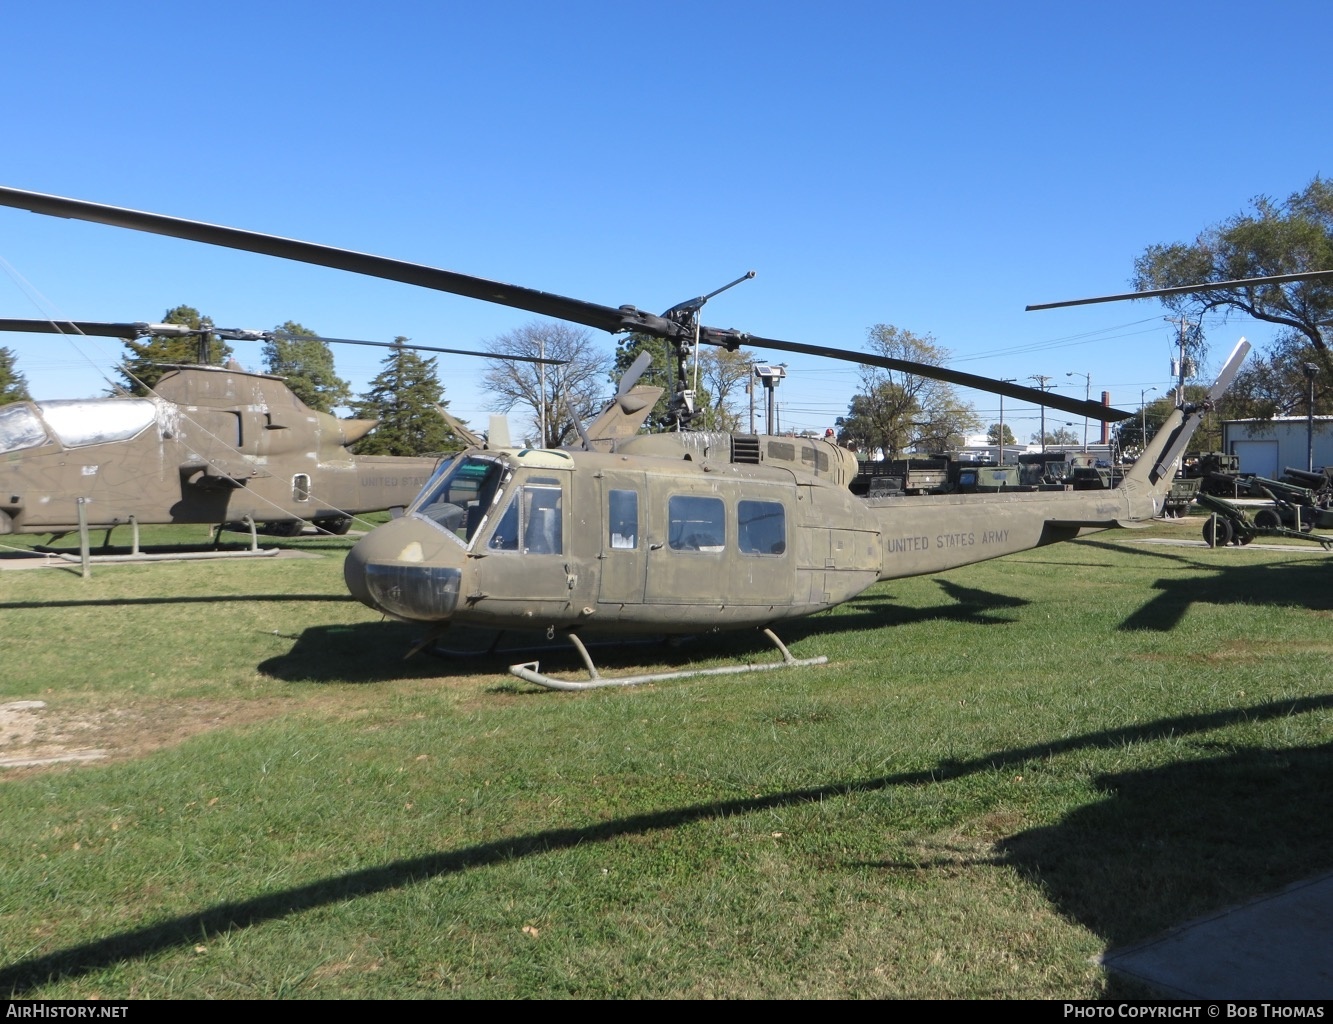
point(1079, 407)
point(423, 348)
point(614, 320)
point(75, 327)
point(1186, 289)
point(143, 329)
point(590, 314)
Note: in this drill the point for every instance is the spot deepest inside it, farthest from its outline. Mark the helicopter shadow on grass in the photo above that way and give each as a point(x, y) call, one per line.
point(373, 652)
point(1095, 833)
point(1299, 583)
point(209, 599)
point(377, 652)
point(1172, 843)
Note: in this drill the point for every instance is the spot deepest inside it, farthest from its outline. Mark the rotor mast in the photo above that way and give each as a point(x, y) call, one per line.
point(685, 342)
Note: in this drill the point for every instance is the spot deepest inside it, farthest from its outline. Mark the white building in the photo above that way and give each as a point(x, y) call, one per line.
point(1267, 447)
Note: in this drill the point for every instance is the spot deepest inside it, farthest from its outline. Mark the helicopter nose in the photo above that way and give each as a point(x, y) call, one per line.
point(406, 569)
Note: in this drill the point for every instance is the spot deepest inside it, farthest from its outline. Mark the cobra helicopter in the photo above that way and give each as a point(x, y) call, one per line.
point(631, 535)
point(211, 445)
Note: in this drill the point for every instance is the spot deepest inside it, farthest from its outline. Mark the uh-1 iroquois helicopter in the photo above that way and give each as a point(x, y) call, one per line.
point(633, 535)
point(210, 445)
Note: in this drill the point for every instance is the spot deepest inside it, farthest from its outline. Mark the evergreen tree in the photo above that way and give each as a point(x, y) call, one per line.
point(148, 360)
point(405, 397)
point(307, 364)
point(13, 385)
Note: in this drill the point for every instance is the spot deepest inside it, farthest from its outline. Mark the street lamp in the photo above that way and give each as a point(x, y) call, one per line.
point(771, 376)
point(1087, 397)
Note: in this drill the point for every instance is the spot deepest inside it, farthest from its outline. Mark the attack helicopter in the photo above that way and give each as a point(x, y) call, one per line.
point(211, 445)
point(631, 535)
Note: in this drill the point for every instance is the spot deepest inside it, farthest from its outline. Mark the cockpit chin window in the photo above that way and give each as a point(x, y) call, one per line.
point(457, 500)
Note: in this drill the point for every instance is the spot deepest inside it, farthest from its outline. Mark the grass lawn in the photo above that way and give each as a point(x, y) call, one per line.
point(1004, 771)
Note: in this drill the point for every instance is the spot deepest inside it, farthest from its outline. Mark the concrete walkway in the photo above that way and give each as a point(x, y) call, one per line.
point(1275, 947)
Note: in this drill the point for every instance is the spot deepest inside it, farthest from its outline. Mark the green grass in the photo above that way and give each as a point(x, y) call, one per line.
point(1005, 770)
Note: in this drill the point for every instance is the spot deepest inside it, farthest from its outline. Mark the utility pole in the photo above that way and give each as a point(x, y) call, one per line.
point(1087, 397)
point(1041, 380)
point(1143, 417)
point(1003, 380)
point(1180, 322)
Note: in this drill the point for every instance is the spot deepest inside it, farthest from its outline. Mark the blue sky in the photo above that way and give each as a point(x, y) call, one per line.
point(874, 163)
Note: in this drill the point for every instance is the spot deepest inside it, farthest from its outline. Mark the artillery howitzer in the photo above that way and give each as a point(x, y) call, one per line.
point(1229, 524)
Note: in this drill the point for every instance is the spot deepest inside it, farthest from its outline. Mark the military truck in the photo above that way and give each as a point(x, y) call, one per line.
point(1217, 472)
point(926, 474)
point(984, 478)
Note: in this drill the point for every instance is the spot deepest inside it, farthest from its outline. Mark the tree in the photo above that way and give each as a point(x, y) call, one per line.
point(307, 364)
point(1285, 237)
point(149, 360)
point(1274, 382)
point(13, 385)
point(993, 435)
point(725, 375)
point(404, 397)
point(1278, 238)
point(896, 411)
point(1061, 436)
point(578, 382)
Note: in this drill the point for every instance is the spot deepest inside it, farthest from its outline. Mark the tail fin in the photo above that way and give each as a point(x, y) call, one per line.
point(1155, 468)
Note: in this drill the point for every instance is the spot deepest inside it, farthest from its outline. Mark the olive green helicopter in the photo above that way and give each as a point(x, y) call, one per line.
point(208, 445)
point(629, 534)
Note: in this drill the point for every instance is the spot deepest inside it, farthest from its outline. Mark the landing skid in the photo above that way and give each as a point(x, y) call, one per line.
point(86, 559)
point(529, 671)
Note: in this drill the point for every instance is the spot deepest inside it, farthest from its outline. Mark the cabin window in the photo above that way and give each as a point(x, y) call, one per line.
point(20, 429)
point(458, 499)
point(301, 487)
point(696, 523)
point(623, 517)
point(533, 521)
point(761, 527)
point(82, 422)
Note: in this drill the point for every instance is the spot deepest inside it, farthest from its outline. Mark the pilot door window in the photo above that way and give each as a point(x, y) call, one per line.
point(532, 522)
point(696, 523)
